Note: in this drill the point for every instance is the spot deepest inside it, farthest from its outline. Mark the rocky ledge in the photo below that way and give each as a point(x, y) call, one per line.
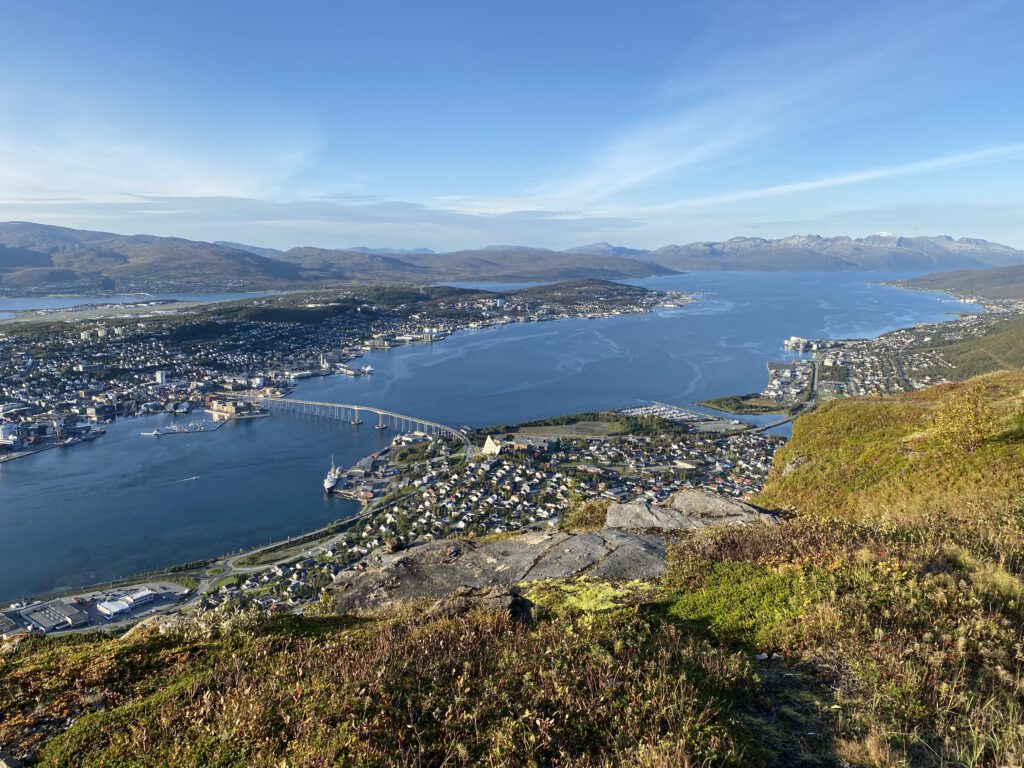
point(435, 569)
point(686, 510)
point(485, 572)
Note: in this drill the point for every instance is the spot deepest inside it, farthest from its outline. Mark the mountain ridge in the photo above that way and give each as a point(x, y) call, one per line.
point(46, 257)
point(998, 283)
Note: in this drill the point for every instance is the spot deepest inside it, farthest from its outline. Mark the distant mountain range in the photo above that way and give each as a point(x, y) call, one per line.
point(40, 257)
point(883, 252)
point(43, 257)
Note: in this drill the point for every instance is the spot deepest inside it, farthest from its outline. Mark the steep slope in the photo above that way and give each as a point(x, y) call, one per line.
point(875, 457)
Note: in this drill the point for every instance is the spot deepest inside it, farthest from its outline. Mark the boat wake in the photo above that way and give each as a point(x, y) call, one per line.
point(186, 479)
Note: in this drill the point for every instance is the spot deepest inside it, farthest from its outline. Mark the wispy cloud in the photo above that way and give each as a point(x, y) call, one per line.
point(50, 154)
point(946, 162)
point(738, 105)
point(649, 150)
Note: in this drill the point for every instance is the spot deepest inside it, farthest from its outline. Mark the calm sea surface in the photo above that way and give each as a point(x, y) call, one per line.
point(11, 307)
point(124, 504)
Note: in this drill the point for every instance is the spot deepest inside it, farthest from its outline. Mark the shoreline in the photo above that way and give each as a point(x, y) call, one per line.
point(326, 531)
point(671, 300)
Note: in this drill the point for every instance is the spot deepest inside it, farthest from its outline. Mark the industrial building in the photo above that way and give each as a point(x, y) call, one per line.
point(54, 615)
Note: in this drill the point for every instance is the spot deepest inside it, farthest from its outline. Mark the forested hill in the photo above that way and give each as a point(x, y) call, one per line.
point(1001, 283)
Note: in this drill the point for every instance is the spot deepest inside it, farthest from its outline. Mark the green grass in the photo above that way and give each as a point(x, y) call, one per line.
point(614, 689)
point(748, 404)
point(1001, 348)
point(586, 595)
point(582, 429)
point(879, 458)
point(746, 603)
point(892, 593)
point(585, 515)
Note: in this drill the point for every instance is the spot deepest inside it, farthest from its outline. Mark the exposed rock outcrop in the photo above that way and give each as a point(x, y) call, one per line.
point(463, 574)
point(495, 599)
point(435, 569)
point(686, 510)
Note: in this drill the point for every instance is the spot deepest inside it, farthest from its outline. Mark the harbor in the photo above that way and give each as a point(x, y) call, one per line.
point(124, 508)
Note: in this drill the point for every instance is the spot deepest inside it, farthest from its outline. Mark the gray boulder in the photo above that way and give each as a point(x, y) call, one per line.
point(494, 599)
point(436, 569)
point(688, 509)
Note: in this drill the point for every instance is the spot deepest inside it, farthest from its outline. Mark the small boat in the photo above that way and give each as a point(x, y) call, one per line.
point(357, 422)
point(367, 369)
point(154, 433)
point(382, 426)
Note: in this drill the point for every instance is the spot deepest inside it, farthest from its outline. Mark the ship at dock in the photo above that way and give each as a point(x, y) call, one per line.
point(333, 476)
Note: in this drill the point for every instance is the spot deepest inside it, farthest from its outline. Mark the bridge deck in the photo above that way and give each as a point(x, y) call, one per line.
point(341, 410)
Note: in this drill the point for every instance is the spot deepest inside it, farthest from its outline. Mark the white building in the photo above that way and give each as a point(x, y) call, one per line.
point(112, 608)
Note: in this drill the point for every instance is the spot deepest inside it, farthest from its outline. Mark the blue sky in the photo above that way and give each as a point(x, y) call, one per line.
point(462, 124)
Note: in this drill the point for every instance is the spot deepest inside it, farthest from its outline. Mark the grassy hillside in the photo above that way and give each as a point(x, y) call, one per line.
point(1001, 348)
point(1000, 283)
point(879, 624)
point(878, 457)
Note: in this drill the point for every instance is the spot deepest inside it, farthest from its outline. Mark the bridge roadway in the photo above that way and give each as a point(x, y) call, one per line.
point(353, 413)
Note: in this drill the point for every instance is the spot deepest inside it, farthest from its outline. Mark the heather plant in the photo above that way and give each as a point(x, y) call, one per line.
point(965, 419)
point(879, 623)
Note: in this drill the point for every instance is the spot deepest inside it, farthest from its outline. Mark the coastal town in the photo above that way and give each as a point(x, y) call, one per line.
point(424, 487)
point(60, 385)
point(60, 380)
point(903, 360)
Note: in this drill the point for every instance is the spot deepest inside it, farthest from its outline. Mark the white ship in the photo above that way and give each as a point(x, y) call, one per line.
point(367, 369)
point(333, 476)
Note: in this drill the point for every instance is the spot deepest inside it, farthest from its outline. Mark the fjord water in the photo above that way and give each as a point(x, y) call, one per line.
point(126, 504)
point(10, 307)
